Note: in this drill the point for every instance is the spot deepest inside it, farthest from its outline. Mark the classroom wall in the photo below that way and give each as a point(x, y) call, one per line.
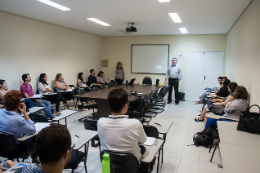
point(117, 49)
point(31, 46)
point(243, 51)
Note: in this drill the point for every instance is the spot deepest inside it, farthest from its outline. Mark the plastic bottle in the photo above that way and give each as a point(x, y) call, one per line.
point(105, 163)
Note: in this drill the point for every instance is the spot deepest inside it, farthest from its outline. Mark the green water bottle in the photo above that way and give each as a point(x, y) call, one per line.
point(105, 163)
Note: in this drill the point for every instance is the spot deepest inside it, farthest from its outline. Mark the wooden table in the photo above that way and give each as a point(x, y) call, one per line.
point(102, 100)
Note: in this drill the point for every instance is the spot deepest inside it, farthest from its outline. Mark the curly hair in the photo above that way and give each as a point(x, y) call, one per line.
point(12, 100)
point(241, 93)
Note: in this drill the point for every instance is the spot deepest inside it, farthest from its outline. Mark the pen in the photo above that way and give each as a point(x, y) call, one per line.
point(156, 142)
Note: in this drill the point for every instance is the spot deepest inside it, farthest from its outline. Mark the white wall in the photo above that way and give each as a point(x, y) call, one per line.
point(119, 49)
point(30, 46)
point(243, 51)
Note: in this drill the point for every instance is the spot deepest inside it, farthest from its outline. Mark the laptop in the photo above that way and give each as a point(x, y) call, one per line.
point(132, 81)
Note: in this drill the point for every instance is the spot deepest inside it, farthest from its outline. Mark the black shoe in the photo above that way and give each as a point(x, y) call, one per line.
point(169, 102)
point(177, 102)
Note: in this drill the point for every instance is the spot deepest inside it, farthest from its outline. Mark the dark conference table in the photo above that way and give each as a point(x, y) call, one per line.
point(101, 95)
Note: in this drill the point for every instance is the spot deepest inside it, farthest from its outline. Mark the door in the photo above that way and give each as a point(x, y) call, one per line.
point(213, 68)
point(194, 75)
point(203, 70)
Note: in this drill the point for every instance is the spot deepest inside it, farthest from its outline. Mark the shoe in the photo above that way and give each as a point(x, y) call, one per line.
point(36, 161)
point(169, 102)
point(177, 102)
point(57, 113)
point(50, 120)
point(198, 120)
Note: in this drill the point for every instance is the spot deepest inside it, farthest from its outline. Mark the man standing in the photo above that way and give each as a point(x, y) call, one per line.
point(174, 73)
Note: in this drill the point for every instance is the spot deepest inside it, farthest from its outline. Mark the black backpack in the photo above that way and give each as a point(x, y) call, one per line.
point(201, 139)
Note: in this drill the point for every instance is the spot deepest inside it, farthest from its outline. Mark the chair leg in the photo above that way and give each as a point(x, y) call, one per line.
point(72, 170)
point(85, 165)
point(216, 145)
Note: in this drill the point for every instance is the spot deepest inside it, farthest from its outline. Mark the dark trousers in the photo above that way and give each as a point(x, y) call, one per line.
point(173, 83)
point(55, 98)
point(119, 81)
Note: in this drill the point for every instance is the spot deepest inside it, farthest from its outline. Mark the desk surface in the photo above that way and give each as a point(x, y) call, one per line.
point(34, 109)
point(151, 151)
point(83, 137)
point(103, 93)
point(228, 134)
point(217, 117)
point(240, 158)
point(165, 125)
point(64, 114)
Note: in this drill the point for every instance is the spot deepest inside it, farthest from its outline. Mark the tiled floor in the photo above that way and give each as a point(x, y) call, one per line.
point(178, 157)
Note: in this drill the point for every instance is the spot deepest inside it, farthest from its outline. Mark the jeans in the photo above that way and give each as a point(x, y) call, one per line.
point(203, 97)
point(213, 122)
point(47, 108)
point(28, 103)
point(173, 83)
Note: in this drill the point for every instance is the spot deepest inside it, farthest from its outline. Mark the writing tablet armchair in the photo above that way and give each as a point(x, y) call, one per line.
point(8, 143)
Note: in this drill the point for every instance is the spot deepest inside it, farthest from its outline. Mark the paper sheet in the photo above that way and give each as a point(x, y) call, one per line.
point(36, 96)
point(40, 126)
point(149, 141)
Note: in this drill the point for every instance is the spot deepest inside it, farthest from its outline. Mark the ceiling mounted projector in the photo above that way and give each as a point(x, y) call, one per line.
point(130, 27)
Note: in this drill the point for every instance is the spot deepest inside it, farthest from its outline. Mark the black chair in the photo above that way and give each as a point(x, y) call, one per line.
point(151, 131)
point(121, 162)
point(147, 80)
point(8, 143)
point(38, 118)
point(77, 157)
point(91, 124)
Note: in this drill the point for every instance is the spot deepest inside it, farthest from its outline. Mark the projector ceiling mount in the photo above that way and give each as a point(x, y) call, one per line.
point(130, 27)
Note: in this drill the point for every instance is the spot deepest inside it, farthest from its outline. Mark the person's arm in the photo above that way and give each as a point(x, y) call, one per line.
point(180, 73)
point(123, 75)
point(58, 85)
point(229, 99)
point(1, 94)
point(27, 125)
point(67, 85)
point(142, 135)
point(42, 88)
point(166, 76)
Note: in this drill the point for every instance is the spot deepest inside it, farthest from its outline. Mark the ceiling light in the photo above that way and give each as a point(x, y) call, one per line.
point(164, 1)
point(53, 4)
point(183, 30)
point(98, 21)
point(175, 17)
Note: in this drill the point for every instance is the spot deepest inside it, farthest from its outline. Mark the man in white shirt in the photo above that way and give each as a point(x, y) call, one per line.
point(118, 133)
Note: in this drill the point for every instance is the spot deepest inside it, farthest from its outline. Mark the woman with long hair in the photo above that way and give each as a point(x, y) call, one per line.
point(120, 74)
point(3, 88)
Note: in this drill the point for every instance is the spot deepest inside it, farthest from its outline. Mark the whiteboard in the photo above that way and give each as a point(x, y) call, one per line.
point(150, 58)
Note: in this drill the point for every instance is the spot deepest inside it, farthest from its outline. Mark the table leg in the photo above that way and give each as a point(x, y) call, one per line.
point(66, 121)
point(158, 164)
point(148, 169)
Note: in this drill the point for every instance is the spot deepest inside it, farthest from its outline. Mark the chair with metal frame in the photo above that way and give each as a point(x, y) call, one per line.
point(8, 143)
point(121, 162)
point(91, 124)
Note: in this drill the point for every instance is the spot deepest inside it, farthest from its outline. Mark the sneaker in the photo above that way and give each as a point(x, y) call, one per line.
point(50, 120)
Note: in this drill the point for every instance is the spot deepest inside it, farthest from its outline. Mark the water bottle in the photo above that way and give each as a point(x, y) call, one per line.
point(105, 163)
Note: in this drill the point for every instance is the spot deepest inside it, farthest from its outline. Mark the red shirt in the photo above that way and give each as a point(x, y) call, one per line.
point(26, 89)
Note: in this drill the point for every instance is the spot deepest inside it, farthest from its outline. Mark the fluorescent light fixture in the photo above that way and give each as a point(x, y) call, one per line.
point(183, 30)
point(175, 17)
point(53, 4)
point(164, 1)
point(98, 21)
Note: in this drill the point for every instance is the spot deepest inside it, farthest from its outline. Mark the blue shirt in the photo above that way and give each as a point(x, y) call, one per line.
point(12, 123)
point(30, 169)
point(92, 79)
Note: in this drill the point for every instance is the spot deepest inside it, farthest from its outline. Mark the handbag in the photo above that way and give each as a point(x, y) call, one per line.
point(249, 121)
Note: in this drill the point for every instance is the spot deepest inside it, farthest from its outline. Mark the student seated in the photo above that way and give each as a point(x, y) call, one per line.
point(92, 80)
point(53, 145)
point(82, 83)
point(44, 87)
point(61, 86)
point(223, 92)
point(12, 123)
point(233, 109)
point(3, 90)
point(27, 92)
point(6, 165)
point(118, 133)
point(217, 88)
point(218, 105)
point(100, 78)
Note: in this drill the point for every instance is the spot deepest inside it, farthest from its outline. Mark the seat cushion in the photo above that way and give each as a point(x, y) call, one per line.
point(73, 164)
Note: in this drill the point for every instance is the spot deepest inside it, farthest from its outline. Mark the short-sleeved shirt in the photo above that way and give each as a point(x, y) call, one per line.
point(120, 134)
point(26, 89)
point(42, 87)
point(101, 79)
point(92, 79)
point(31, 169)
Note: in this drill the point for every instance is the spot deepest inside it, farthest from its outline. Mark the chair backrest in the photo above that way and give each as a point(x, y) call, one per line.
point(7, 142)
point(37, 118)
point(151, 131)
point(90, 124)
point(147, 80)
point(37, 91)
point(96, 88)
point(121, 162)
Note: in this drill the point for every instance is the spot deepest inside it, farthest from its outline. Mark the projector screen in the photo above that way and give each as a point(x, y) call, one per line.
point(150, 58)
